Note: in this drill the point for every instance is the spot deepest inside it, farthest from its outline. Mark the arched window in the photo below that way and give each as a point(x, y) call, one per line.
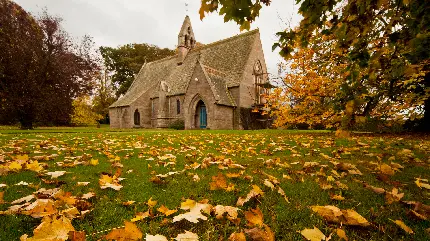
point(136, 117)
point(258, 73)
point(178, 107)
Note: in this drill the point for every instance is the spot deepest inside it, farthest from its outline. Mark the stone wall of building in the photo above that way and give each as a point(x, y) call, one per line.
point(247, 85)
point(120, 117)
point(218, 117)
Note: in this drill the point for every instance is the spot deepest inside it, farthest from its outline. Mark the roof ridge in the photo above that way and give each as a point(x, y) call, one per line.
point(204, 46)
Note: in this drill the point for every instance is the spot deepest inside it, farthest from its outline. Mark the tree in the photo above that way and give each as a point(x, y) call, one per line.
point(104, 96)
point(125, 62)
point(386, 42)
point(83, 114)
point(21, 41)
point(42, 70)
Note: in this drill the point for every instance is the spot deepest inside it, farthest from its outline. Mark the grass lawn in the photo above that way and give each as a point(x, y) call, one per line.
point(313, 168)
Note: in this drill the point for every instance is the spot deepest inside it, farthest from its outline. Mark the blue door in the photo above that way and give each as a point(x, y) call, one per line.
point(203, 117)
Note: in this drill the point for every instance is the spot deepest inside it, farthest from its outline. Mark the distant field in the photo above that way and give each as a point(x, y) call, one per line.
point(289, 175)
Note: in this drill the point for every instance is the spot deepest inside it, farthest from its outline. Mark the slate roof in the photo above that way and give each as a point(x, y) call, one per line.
point(223, 61)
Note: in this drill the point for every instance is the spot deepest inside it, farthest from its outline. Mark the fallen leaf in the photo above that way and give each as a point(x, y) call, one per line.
point(341, 234)
point(166, 211)
point(155, 237)
point(254, 217)
point(55, 174)
point(129, 232)
point(402, 225)
point(187, 236)
point(237, 237)
point(51, 228)
point(313, 234)
point(386, 169)
point(77, 236)
point(255, 192)
point(261, 234)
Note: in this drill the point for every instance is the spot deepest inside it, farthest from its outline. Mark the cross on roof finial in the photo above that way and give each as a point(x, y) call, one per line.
point(186, 7)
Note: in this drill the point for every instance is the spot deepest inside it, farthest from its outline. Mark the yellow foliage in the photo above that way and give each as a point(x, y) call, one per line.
point(82, 112)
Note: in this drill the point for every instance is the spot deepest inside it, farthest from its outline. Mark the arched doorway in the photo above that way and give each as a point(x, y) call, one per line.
point(201, 115)
point(136, 117)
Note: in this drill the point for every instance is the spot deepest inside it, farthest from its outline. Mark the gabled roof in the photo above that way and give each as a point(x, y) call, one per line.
point(228, 56)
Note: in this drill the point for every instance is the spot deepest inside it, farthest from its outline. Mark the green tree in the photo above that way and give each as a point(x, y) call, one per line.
point(103, 97)
point(125, 62)
point(386, 42)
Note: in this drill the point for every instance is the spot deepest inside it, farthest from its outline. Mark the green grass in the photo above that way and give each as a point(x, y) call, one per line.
point(248, 148)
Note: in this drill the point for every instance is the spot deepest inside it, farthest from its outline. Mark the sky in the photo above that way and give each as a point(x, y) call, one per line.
point(118, 22)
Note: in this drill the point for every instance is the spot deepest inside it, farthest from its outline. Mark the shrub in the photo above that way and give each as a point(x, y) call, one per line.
point(177, 125)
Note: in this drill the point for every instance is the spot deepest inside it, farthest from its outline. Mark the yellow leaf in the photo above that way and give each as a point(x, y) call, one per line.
point(155, 237)
point(140, 216)
point(386, 169)
point(128, 233)
point(403, 226)
point(313, 234)
point(237, 237)
point(163, 209)
point(51, 229)
point(34, 166)
point(94, 162)
point(188, 236)
point(14, 166)
point(341, 233)
point(151, 203)
point(254, 217)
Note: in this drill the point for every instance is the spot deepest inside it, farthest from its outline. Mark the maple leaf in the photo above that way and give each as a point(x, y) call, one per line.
point(255, 192)
point(155, 237)
point(188, 236)
point(140, 216)
point(237, 237)
point(261, 234)
point(77, 236)
point(40, 208)
point(34, 166)
point(128, 233)
point(51, 228)
point(218, 182)
point(393, 196)
point(88, 195)
point(254, 217)
point(55, 174)
point(166, 211)
point(15, 166)
point(107, 181)
point(386, 169)
point(70, 213)
point(195, 211)
point(231, 212)
point(313, 234)
point(94, 162)
point(402, 225)
point(151, 203)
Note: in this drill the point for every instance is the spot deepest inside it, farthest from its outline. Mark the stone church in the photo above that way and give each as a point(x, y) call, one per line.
point(203, 85)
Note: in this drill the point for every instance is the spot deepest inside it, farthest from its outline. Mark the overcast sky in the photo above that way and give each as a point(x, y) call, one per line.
point(117, 22)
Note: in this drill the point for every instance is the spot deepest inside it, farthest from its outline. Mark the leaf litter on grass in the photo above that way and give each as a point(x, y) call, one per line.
point(242, 178)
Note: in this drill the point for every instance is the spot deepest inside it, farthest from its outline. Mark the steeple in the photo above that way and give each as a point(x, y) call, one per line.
point(186, 40)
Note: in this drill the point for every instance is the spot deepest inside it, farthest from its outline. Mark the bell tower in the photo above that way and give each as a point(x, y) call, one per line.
point(186, 40)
